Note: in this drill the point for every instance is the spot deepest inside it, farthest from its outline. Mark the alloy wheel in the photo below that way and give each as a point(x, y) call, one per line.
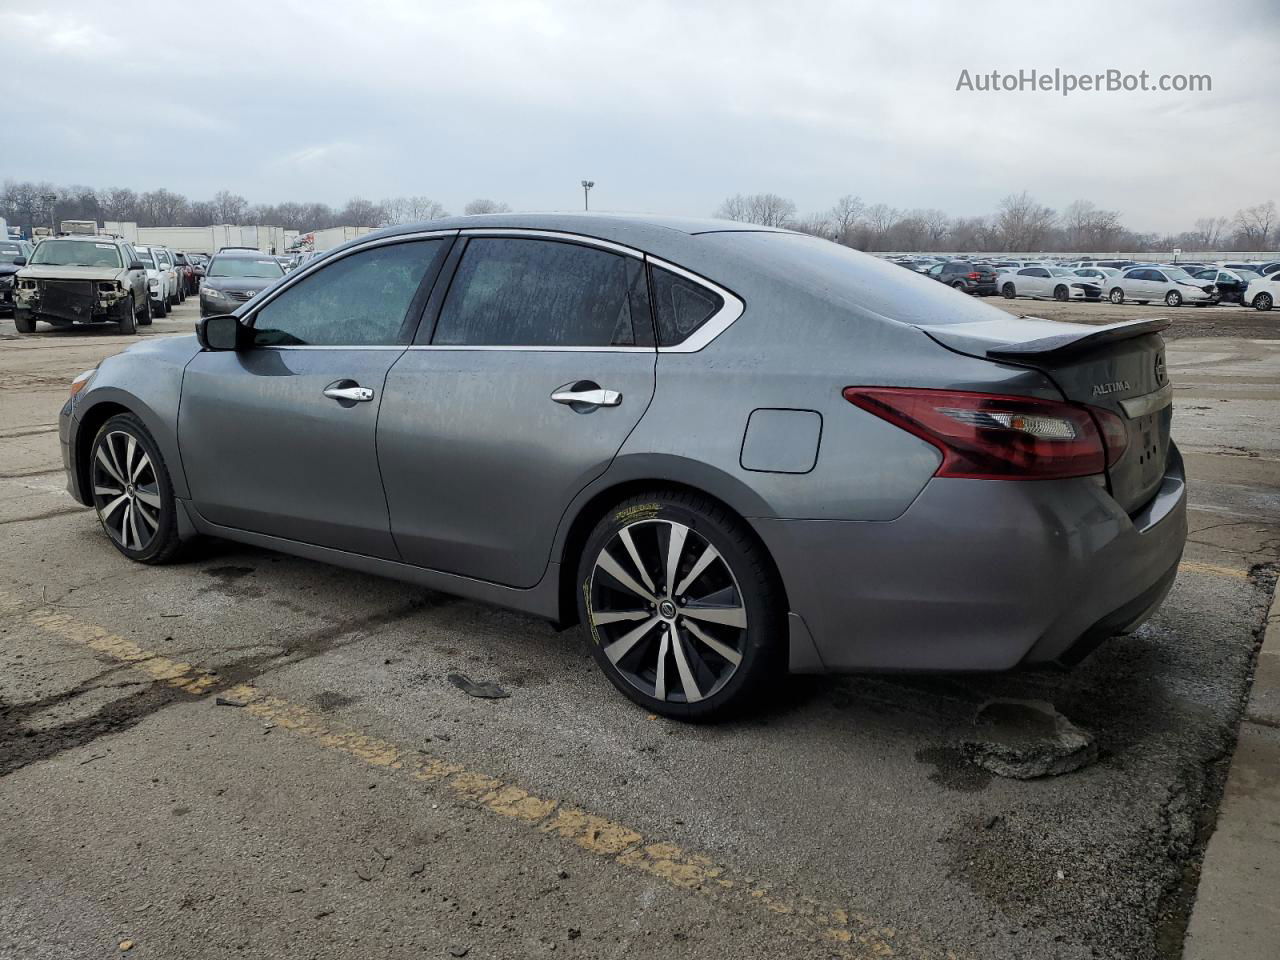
point(126, 490)
point(667, 611)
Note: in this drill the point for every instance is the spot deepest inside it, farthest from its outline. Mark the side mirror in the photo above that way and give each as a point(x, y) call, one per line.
point(136, 265)
point(223, 332)
point(19, 261)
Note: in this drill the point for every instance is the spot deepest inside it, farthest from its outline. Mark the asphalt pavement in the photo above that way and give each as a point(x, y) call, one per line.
point(248, 754)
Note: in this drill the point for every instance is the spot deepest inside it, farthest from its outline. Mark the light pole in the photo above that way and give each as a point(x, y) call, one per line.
point(586, 189)
point(51, 199)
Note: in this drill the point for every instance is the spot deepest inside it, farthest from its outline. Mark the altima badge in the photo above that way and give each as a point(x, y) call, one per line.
point(1115, 386)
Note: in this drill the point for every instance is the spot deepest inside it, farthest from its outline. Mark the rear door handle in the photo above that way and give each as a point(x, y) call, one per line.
point(595, 398)
point(355, 394)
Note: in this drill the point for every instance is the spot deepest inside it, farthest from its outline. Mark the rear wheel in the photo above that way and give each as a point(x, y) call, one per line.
point(958, 285)
point(1008, 291)
point(1173, 298)
point(1060, 292)
point(1116, 295)
point(681, 605)
point(132, 493)
point(1262, 301)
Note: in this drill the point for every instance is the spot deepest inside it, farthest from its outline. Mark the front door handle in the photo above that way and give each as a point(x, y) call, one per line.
point(593, 398)
point(351, 394)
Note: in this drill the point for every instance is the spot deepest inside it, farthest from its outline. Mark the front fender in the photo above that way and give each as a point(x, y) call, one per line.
point(146, 380)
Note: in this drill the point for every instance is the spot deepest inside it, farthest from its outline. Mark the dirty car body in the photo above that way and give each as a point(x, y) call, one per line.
point(929, 483)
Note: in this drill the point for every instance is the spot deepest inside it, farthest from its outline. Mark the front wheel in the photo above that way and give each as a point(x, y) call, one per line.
point(129, 322)
point(1116, 296)
point(23, 324)
point(1060, 292)
point(1262, 301)
point(1173, 298)
point(159, 309)
point(132, 493)
point(681, 606)
point(144, 318)
point(1008, 291)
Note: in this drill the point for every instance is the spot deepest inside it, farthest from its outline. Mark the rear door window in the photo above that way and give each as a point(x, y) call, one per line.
point(524, 292)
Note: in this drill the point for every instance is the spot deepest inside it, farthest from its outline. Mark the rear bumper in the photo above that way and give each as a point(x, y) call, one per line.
point(981, 575)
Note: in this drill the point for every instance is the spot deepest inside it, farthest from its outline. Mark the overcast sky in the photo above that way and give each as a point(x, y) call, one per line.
point(669, 107)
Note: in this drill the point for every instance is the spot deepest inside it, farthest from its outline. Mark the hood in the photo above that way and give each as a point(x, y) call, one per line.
point(52, 272)
point(241, 284)
point(8, 267)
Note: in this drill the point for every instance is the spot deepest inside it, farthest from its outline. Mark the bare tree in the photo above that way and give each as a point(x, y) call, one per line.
point(481, 205)
point(1024, 224)
point(765, 209)
point(937, 226)
point(230, 207)
point(411, 209)
point(1254, 225)
point(844, 216)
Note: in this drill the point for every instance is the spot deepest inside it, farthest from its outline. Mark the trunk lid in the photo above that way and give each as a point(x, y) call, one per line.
point(1119, 367)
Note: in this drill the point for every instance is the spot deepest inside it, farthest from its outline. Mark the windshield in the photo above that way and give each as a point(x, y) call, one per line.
point(76, 253)
point(244, 267)
point(1249, 275)
point(145, 258)
point(1176, 273)
point(9, 252)
point(1059, 272)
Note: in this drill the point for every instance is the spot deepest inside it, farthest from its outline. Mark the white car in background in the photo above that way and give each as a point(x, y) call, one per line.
point(1173, 285)
point(1043, 283)
point(170, 267)
point(1102, 276)
point(1263, 294)
point(159, 279)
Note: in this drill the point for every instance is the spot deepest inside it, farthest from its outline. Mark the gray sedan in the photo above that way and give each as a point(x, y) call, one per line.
point(727, 451)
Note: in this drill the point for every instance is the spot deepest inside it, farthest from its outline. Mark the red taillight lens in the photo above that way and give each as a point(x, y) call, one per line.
point(974, 276)
point(987, 436)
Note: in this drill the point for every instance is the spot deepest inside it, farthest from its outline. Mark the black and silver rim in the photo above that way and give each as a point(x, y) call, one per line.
point(667, 611)
point(126, 490)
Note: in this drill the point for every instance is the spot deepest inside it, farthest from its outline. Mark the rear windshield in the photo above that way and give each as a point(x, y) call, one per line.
point(848, 278)
point(245, 267)
point(76, 253)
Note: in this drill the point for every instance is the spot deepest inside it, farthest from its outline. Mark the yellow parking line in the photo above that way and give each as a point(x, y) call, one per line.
point(1214, 569)
point(844, 932)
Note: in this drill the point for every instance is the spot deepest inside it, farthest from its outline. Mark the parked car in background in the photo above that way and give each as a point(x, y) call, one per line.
point(158, 279)
point(1173, 285)
point(1264, 293)
point(164, 257)
point(1014, 491)
point(233, 277)
point(71, 280)
point(1044, 283)
point(1268, 268)
point(966, 276)
point(187, 273)
point(1098, 275)
point(1230, 283)
point(13, 254)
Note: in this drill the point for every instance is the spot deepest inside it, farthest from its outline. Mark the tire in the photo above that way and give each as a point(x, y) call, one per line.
point(1173, 298)
point(1262, 302)
point(699, 678)
point(1116, 296)
point(1008, 291)
point(958, 285)
point(159, 309)
point(1061, 293)
point(141, 519)
point(144, 318)
point(129, 322)
point(25, 324)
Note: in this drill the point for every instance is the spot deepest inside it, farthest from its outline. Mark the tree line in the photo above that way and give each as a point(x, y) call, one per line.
point(1020, 223)
point(28, 204)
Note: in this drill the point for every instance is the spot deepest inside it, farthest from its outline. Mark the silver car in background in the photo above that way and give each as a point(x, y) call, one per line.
point(727, 451)
point(1173, 285)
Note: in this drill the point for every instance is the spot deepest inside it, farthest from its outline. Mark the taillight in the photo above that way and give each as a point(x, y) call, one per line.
point(975, 275)
point(988, 436)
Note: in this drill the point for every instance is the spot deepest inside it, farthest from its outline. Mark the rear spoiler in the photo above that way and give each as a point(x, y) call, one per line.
point(1007, 338)
point(1075, 341)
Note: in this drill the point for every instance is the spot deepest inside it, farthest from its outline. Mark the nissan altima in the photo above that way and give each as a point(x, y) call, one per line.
point(727, 451)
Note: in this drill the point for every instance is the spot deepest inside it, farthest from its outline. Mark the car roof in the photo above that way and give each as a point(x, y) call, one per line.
point(621, 228)
point(242, 254)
